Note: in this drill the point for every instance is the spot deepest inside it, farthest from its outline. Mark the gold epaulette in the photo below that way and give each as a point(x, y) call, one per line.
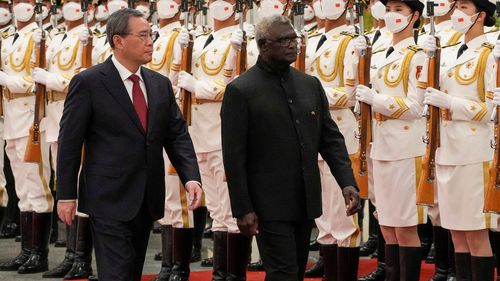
point(415, 48)
point(314, 34)
point(488, 45)
point(101, 35)
point(378, 51)
point(60, 32)
point(177, 29)
point(346, 33)
point(6, 34)
point(311, 33)
point(451, 45)
point(204, 33)
point(492, 30)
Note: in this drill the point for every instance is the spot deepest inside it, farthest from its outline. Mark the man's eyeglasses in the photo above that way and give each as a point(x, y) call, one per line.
point(144, 36)
point(285, 42)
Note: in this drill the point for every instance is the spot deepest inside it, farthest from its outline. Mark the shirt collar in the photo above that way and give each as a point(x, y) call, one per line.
point(167, 28)
point(404, 43)
point(477, 42)
point(223, 31)
point(123, 71)
point(29, 28)
point(337, 30)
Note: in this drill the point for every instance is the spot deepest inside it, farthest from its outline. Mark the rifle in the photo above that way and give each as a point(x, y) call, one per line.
point(154, 14)
point(363, 111)
point(53, 13)
point(298, 24)
point(131, 4)
point(492, 196)
point(187, 53)
point(33, 150)
point(87, 49)
point(427, 182)
point(241, 59)
point(251, 12)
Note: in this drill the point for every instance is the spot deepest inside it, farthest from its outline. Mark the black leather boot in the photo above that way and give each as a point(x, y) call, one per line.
point(370, 245)
point(238, 252)
point(347, 264)
point(441, 254)
point(463, 266)
point(38, 260)
point(200, 219)
point(330, 262)
point(317, 269)
point(26, 221)
point(410, 262)
point(183, 243)
point(483, 268)
point(69, 257)
point(220, 256)
point(82, 267)
point(166, 250)
point(496, 251)
point(377, 275)
point(392, 262)
point(2, 215)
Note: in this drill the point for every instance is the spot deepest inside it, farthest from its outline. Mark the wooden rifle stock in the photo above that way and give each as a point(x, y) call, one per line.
point(1, 87)
point(33, 150)
point(492, 196)
point(360, 163)
point(427, 182)
point(241, 59)
point(300, 62)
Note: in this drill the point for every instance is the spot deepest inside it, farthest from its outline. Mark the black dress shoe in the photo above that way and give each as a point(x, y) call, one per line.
point(377, 275)
point(208, 262)
point(10, 230)
point(158, 256)
point(196, 255)
point(431, 258)
point(255, 266)
point(93, 278)
point(316, 271)
point(368, 248)
point(62, 269)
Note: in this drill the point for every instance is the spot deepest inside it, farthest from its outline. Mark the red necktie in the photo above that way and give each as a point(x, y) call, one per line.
point(139, 101)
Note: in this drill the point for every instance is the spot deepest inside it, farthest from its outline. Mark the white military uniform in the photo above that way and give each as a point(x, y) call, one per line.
point(212, 67)
point(397, 146)
point(6, 31)
point(101, 50)
point(464, 153)
point(18, 106)
point(383, 41)
point(327, 64)
point(447, 35)
point(166, 57)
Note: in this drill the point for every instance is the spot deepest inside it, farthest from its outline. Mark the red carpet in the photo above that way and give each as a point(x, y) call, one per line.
point(366, 266)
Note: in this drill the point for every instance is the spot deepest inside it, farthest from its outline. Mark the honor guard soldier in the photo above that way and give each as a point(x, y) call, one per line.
point(310, 23)
point(177, 224)
point(102, 49)
point(101, 16)
point(143, 7)
point(444, 29)
point(214, 57)
point(464, 98)
point(64, 60)
point(339, 235)
point(397, 148)
point(35, 198)
point(6, 30)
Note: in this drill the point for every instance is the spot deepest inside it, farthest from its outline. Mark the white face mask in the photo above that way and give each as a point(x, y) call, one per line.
point(72, 11)
point(221, 10)
point(45, 12)
point(308, 13)
point(23, 12)
point(396, 22)
point(144, 10)
point(378, 10)
point(167, 9)
point(270, 8)
point(101, 13)
point(116, 5)
point(5, 16)
point(441, 8)
point(317, 10)
point(462, 22)
point(333, 9)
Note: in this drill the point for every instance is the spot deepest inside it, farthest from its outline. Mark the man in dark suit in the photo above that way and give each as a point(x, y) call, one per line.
point(124, 115)
point(275, 121)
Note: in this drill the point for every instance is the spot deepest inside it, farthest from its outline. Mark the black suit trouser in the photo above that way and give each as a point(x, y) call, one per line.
point(284, 248)
point(120, 246)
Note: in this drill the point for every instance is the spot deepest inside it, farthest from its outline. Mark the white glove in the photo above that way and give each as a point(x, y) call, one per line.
point(496, 50)
point(360, 45)
point(437, 98)
point(365, 94)
point(3, 78)
point(40, 75)
point(351, 29)
point(429, 45)
point(183, 38)
point(250, 30)
point(496, 96)
point(236, 39)
point(186, 81)
point(83, 35)
point(37, 36)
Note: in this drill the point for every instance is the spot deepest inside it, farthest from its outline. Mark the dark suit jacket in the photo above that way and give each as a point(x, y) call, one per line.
point(123, 165)
point(274, 123)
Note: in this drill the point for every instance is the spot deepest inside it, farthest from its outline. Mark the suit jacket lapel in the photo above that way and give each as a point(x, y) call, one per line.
point(152, 93)
point(114, 84)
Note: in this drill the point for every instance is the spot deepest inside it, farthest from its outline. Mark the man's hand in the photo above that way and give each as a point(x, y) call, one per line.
point(351, 198)
point(195, 194)
point(186, 81)
point(248, 224)
point(66, 211)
